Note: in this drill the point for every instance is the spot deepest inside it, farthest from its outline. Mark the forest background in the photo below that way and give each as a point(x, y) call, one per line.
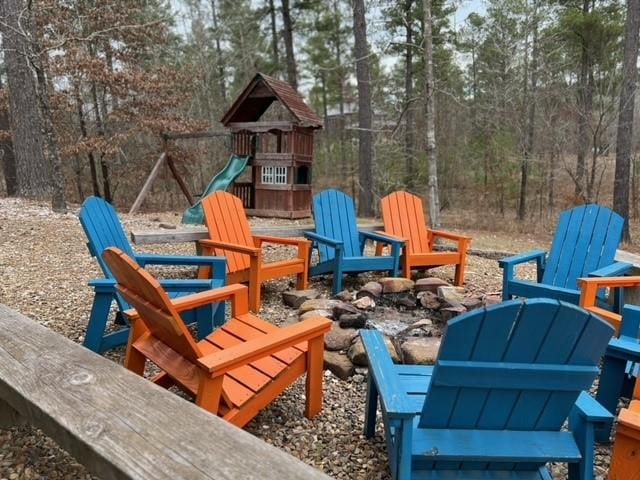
point(494, 111)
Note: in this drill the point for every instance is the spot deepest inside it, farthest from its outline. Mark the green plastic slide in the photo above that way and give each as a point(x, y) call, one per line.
point(232, 170)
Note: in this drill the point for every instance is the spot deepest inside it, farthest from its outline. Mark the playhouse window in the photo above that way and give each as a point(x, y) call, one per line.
point(274, 175)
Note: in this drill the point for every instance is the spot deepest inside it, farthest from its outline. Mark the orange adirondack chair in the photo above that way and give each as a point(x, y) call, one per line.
point(230, 236)
point(403, 217)
point(235, 371)
point(625, 459)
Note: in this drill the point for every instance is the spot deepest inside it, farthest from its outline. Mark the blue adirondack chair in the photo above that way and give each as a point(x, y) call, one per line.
point(340, 244)
point(103, 229)
point(493, 406)
point(584, 245)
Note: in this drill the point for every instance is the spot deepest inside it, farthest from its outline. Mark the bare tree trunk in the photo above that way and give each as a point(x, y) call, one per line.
point(585, 98)
point(274, 36)
point(83, 131)
point(219, 59)
point(531, 116)
point(409, 135)
point(6, 153)
point(58, 184)
point(292, 73)
point(104, 167)
point(33, 175)
point(625, 117)
point(344, 171)
point(430, 120)
point(365, 135)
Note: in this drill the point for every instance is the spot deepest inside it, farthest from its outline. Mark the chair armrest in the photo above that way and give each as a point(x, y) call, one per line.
point(252, 251)
point(381, 368)
point(537, 255)
point(280, 240)
point(109, 284)
point(614, 270)
point(218, 264)
point(337, 244)
point(237, 293)
point(103, 285)
point(381, 237)
point(589, 295)
point(588, 408)
point(222, 362)
point(448, 235)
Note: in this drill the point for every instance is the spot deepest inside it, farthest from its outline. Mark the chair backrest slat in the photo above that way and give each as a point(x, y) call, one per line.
point(586, 238)
point(103, 229)
point(227, 222)
point(335, 217)
point(152, 303)
point(403, 216)
point(555, 346)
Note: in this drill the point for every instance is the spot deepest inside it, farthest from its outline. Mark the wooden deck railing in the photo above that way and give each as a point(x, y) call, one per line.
point(120, 425)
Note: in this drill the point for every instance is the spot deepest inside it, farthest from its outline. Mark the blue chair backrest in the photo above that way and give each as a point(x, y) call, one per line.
point(103, 229)
point(519, 365)
point(586, 239)
point(335, 217)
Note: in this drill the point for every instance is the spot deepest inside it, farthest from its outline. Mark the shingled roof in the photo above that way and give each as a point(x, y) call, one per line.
point(258, 96)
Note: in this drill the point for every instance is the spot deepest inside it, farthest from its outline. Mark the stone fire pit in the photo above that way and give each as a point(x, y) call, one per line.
point(411, 315)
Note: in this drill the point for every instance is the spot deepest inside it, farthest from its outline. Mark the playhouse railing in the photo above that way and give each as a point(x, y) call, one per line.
point(244, 191)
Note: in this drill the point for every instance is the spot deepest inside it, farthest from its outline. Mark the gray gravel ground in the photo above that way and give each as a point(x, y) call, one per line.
point(44, 269)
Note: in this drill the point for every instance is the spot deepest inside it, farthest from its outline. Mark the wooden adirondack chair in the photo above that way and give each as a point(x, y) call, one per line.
point(103, 229)
point(230, 236)
point(493, 406)
point(340, 244)
point(625, 458)
point(584, 245)
point(403, 217)
point(235, 371)
point(622, 358)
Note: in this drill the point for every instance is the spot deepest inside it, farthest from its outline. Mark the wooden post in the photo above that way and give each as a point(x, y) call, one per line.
point(176, 175)
point(147, 184)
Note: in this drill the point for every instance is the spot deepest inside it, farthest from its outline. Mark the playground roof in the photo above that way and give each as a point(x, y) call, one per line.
point(258, 96)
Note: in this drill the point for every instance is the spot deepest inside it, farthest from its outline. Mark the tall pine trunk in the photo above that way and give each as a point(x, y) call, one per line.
point(292, 71)
point(275, 57)
point(365, 136)
point(430, 119)
point(624, 138)
point(33, 174)
point(219, 59)
point(530, 102)
point(6, 153)
point(585, 99)
point(409, 133)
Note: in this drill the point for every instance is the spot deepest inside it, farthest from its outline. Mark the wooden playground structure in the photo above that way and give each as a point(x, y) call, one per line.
point(271, 123)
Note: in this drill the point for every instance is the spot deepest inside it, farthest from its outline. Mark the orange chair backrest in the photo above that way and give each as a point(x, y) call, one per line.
point(152, 303)
point(403, 216)
point(227, 222)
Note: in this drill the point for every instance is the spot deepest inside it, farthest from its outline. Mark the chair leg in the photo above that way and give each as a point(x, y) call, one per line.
point(254, 284)
point(337, 282)
point(371, 408)
point(98, 321)
point(204, 319)
point(609, 389)
point(315, 361)
point(459, 276)
point(209, 393)
point(134, 360)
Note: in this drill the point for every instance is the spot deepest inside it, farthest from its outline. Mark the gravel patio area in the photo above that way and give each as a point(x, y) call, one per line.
point(44, 270)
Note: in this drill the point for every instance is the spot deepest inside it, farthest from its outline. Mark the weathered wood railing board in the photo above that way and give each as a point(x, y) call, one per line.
point(119, 425)
point(195, 234)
